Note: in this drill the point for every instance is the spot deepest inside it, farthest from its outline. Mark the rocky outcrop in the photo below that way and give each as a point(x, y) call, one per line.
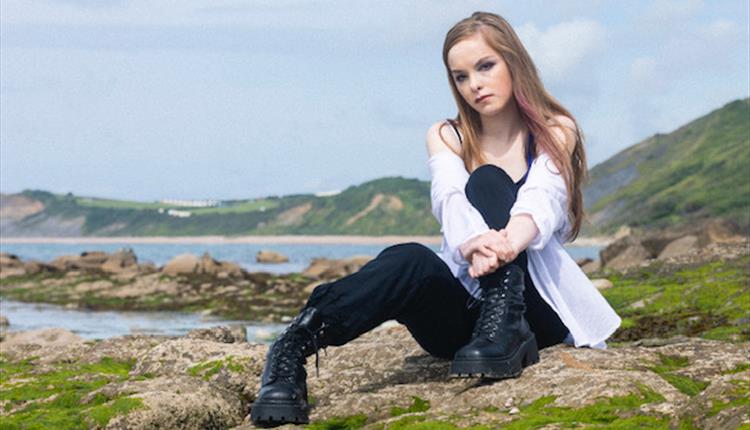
point(636, 248)
point(267, 256)
point(97, 280)
point(385, 379)
point(183, 264)
point(324, 268)
point(43, 337)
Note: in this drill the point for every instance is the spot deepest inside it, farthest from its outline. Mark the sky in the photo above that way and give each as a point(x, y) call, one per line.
point(229, 99)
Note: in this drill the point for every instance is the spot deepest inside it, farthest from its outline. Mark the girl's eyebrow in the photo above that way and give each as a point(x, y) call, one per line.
point(485, 58)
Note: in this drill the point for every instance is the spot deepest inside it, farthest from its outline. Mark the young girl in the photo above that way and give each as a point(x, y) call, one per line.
point(506, 189)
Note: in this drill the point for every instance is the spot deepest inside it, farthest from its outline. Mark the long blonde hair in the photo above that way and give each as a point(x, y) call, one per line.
point(536, 106)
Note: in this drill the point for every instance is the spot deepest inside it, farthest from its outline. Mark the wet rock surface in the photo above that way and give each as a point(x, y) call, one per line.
point(101, 281)
point(384, 377)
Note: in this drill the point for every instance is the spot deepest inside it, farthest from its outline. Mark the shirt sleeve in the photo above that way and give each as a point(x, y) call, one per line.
point(459, 220)
point(545, 198)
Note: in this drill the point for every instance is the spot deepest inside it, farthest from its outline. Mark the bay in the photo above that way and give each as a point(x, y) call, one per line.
point(300, 255)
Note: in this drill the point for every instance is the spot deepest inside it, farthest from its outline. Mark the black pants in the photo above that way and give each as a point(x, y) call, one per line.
point(410, 283)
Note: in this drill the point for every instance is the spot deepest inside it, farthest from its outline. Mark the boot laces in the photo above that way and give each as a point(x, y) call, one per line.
point(289, 354)
point(492, 310)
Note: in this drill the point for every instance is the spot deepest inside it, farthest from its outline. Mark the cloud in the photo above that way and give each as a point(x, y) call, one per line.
point(563, 48)
point(663, 12)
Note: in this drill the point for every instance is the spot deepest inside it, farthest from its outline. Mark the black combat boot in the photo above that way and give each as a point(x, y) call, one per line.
point(283, 393)
point(502, 343)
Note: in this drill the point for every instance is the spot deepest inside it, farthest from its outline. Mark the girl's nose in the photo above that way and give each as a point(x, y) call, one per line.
point(474, 83)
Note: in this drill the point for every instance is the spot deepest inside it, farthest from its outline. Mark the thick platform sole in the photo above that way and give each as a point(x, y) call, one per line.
point(269, 414)
point(508, 367)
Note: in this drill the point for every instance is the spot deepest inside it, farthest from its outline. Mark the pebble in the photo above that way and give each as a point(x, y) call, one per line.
point(509, 402)
point(514, 410)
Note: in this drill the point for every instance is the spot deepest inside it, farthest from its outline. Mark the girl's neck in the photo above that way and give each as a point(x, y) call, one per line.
point(500, 131)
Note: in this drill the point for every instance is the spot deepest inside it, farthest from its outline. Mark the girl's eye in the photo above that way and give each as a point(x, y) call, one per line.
point(460, 78)
point(486, 66)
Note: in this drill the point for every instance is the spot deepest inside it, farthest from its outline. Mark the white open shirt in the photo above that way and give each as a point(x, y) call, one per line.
point(557, 277)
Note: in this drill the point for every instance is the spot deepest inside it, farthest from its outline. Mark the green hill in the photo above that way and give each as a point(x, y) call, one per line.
point(380, 207)
point(698, 171)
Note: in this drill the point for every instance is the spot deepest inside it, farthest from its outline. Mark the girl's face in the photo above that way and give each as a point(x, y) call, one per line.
point(481, 75)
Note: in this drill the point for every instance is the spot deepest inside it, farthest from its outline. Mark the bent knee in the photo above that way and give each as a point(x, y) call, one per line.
point(411, 250)
point(488, 175)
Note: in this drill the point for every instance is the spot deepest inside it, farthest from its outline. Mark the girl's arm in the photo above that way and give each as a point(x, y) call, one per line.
point(459, 220)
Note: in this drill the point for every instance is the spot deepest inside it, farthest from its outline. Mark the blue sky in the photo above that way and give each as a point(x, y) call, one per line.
point(236, 99)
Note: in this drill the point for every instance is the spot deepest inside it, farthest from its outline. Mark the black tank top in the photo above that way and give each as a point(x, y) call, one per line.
point(529, 152)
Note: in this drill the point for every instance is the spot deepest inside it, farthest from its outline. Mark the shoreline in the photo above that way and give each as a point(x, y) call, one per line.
point(282, 239)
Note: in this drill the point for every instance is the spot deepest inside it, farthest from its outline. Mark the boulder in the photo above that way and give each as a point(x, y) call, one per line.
point(719, 231)
point(631, 256)
point(583, 261)
point(219, 334)
point(121, 261)
point(208, 265)
point(9, 260)
point(591, 267)
point(65, 263)
point(681, 246)
point(175, 402)
point(44, 337)
point(323, 268)
point(231, 269)
point(266, 256)
point(33, 267)
point(183, 264)
point(602, 284)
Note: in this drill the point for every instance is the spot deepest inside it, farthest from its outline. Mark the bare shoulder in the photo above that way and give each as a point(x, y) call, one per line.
point(440, 137)
point(564, 131)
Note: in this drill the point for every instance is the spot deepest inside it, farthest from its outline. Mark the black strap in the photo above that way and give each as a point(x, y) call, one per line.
point(460, 141)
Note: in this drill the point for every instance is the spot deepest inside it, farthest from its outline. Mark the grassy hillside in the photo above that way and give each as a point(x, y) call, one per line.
point(698, 171)
point(383, 206)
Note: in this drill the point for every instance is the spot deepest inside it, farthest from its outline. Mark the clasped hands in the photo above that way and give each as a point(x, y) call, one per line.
point(488, 252)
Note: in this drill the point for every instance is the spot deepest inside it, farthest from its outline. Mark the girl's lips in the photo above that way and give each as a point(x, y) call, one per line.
point(483, 98)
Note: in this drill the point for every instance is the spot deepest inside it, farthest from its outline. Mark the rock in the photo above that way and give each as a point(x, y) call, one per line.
point(4, 321)
point(8, 272)
point(719, 231)
point(147, 268)
point(126, 275)
point(583, 261)
point(591, 267)
point(64, 263)
point(44, 337)
point(33, 267)
point(93, 287)
point(183, 264)
point(9, 260)
point(208, 265)
point(681, 246)
point(219, 334)
point(176, 402)
point(623, 231)
point(231, 269)
point(91, 260)
point(239, 331)
point(266, 256)
point(612, 250)
point(120, 261)
point(323, 268)
point(195, 384)
point(602, 284)
point(629, 257)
